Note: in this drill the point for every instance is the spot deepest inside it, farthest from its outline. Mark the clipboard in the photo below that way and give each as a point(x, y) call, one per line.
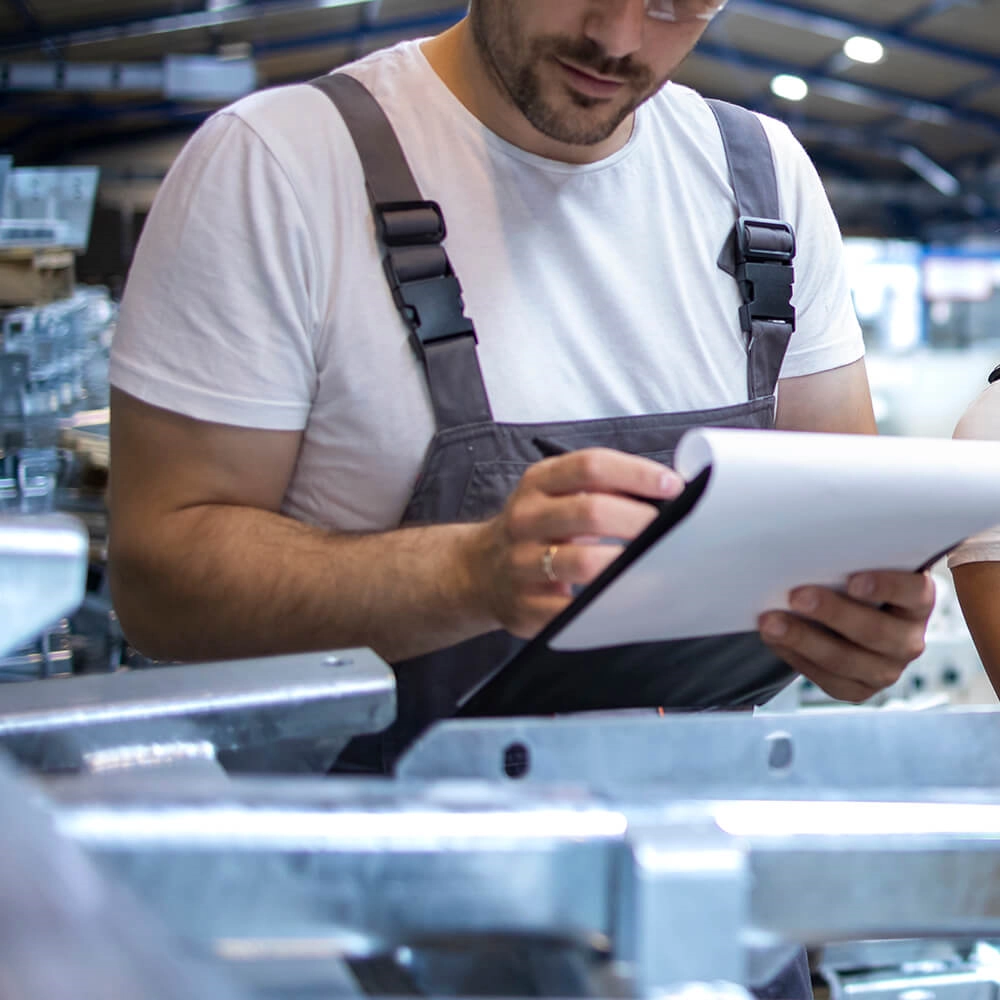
point(672, 621)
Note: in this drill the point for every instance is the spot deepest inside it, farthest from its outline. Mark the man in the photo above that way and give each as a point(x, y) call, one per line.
point(273, 427)
point(975, 565)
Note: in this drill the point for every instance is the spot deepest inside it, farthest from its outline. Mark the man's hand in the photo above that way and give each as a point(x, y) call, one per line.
point(856, 644)
point(565, 523)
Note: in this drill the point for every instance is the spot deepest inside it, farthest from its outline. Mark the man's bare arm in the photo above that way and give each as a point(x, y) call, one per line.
point(837, 401)
point(203, 565)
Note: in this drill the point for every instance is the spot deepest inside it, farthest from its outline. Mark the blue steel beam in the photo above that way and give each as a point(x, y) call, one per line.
point(863, 95)
point(84, 111)
point(793, 15)
point(57, 39)
point(925, 12)
point(402, 26)
point(61, 120)
point(370, 16)
point(816, 134)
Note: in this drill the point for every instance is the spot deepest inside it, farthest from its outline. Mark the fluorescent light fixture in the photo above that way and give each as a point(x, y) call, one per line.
point(864, 50)
point(789, 88)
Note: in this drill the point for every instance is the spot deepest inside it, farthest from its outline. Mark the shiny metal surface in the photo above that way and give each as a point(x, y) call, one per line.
point(67, 931)
point(723, 754)
point(370, 867)
point(43, 574)
point(148, 716)
point(969, 973)
point(691, 876)
point(364, 863)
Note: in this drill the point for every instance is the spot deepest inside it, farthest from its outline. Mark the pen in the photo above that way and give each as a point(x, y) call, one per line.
point(549, 449)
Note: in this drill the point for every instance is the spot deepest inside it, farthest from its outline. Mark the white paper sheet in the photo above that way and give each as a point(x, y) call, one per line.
point(786, 509)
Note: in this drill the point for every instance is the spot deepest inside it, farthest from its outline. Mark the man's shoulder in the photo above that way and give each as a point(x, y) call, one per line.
point(389, 65)
point(688, 108)
point(298, 110)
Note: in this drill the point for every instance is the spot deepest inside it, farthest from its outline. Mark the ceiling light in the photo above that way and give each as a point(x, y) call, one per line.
point(790, 88)
point(864, 50)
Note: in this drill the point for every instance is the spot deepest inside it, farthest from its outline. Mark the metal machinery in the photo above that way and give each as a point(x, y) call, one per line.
point(594, 856)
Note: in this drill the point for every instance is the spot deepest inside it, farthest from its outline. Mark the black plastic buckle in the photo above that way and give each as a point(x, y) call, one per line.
point(995, 375)
point(409, 223)
point(765, 240)
point(765, 272)
point(433, 306)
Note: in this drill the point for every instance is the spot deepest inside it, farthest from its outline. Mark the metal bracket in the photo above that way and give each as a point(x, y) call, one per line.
point(722, 754)
point(316, 700)
point(684, 904)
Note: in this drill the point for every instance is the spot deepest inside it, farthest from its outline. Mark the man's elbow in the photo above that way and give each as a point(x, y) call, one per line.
point(137, 604)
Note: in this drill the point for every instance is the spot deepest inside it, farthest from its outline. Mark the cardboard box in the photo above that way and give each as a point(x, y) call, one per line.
point(32, 277)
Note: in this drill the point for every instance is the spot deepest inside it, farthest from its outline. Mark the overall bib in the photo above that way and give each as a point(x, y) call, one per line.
point(473, 463)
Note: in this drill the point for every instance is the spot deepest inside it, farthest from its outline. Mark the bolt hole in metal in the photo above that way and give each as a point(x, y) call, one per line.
point(337, 661)
point(516, 761)
point(780, 753)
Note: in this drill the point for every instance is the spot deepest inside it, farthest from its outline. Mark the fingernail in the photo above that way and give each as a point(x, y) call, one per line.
point(861, 587)
point(805, 600)
point(671, 485)
point(774, 628)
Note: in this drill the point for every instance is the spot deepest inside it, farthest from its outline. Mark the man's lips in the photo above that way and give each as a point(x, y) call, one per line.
point(590, 84)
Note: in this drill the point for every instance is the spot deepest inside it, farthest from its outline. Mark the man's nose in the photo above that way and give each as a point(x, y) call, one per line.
point(617, 26)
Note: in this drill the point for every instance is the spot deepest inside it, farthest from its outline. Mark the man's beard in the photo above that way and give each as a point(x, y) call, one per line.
point(515, 66)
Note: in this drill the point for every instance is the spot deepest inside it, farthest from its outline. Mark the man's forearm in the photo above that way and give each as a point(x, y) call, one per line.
point(224, 582)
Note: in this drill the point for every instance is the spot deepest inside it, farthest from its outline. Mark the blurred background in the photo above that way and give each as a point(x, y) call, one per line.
point(898, 103)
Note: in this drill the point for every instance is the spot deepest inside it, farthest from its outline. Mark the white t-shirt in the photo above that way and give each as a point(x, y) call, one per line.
point(981, 422)
point(257, 296)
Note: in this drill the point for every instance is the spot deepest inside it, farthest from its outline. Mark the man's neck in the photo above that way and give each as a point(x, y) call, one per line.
point(456, 59)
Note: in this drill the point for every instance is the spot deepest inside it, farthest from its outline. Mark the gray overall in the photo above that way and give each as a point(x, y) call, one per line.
point(473, 463)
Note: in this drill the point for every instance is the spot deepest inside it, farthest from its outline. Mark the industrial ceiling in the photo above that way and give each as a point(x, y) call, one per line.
point(908, 145)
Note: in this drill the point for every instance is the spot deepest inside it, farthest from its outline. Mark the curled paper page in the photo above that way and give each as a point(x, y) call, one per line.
point(780, 510)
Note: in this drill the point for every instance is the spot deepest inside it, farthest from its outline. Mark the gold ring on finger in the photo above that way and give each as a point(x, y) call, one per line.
point(548, 558)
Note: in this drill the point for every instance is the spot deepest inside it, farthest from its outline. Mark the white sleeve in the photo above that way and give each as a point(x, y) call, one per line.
point(981, 422)
point(828, 334)
point(217, 318)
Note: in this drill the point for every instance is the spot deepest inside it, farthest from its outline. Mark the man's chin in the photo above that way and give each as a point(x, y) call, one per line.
point(584, 124)
point(576, 119)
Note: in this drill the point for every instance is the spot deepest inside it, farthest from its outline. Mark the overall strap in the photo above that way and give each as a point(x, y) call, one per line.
point(411, 231)
point(761, 251)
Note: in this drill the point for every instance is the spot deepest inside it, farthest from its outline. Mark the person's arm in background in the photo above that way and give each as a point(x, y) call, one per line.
point(978, 588)
point(975, 566)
